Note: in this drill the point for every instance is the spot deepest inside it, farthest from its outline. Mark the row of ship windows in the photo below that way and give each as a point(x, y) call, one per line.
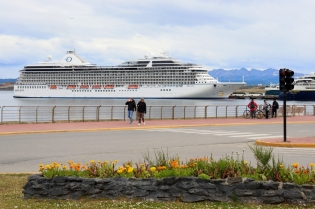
point(31, 87)
point(59, 83)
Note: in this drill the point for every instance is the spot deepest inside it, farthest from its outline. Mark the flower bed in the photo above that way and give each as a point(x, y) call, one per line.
point(168, 178)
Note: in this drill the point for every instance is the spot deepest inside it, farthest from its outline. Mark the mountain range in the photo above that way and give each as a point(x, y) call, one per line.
point(251, 77)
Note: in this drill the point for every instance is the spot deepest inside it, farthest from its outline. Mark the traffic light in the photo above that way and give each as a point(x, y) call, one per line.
point(289, 80)
point(282, 73)
point(286, 80)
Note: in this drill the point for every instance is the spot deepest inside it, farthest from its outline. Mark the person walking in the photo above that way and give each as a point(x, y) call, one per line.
point(275, 107)
point(266, 108)
point(141, 110)
point(131, 108)
point(252, 107)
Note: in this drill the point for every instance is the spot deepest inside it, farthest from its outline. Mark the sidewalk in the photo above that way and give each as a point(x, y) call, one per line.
point(9, 129)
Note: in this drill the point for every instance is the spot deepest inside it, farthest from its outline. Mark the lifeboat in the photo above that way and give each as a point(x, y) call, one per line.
point(109, 86)
point(53, 87)
point(84, 87)
point(96, 86)
point(132, 86)
point(71, 86)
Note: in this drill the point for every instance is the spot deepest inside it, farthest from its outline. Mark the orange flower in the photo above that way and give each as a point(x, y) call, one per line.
point(160, 168)
point(305, 171)
point(297, 171)
point(174, 164)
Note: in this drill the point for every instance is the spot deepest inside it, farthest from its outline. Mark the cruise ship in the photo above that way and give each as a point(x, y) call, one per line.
point(304, 89)
point(154, 77)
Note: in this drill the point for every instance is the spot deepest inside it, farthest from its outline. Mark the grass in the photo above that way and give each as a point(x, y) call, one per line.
point(11, 197)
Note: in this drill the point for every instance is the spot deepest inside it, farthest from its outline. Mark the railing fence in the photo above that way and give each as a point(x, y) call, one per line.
point(52, 114)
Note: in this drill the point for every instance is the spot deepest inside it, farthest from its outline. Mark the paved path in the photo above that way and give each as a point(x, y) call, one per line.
point(6, 129)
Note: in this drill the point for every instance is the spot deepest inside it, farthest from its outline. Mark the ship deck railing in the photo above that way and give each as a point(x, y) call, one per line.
point(54, 114)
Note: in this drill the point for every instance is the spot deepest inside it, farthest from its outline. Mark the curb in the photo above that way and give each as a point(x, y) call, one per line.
point(145, 127)
point(284, 144)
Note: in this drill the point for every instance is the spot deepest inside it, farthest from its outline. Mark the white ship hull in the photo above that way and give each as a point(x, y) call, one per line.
point(200, 91)
point(156, 77)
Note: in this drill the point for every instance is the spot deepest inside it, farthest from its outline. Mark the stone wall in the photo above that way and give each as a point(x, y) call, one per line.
point(186, 189)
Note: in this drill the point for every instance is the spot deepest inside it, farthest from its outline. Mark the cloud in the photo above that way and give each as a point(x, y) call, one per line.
point(216, 34)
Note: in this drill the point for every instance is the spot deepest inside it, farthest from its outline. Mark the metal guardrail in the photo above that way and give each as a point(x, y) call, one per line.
point(52, 114)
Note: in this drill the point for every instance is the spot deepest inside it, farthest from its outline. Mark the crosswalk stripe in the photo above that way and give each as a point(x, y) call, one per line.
point(266, 137)
point(233, 134)
point(226, 134)
point(246, 135)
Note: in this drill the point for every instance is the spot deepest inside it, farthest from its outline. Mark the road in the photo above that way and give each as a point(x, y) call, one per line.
point(24, 152)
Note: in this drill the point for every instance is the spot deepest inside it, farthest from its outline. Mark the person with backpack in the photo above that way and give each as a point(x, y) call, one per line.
point(131, 108)
point(266, 108)
point(275, 107)
point(252, 107)
point(141, 110)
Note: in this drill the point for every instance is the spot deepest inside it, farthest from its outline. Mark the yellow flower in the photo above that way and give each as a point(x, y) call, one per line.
point(245, 162)
point(153, 169)
point(99, 162)
point(119, 171)
point(295, 165)
point(312, 164)
point(64, 167)
point(281, 166)
point(47, 167)
point(92, 161)
point(130, 170)
point(40, 165)
point(57, 165)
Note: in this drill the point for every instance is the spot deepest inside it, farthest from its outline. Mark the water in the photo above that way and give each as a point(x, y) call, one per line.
point(7, 99)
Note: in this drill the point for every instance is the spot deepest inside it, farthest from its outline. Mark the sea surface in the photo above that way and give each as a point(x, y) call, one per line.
point(7, 99)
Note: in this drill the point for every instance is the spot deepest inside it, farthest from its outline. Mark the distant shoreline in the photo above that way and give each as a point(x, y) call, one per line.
point(7, 89)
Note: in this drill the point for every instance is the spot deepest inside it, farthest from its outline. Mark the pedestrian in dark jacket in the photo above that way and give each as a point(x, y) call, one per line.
point(275, 107)
point(141, 110)
point(131, 108)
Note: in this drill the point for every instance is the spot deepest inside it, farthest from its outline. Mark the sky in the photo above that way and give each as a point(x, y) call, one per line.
point(217, 34)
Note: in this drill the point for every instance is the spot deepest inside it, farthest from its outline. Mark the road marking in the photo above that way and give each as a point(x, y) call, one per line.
point(242, 135)
point(232, 134)
point(226, 134)
point(266, 137)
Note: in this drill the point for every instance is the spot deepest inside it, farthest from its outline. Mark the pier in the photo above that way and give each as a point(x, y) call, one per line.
point(254, 97)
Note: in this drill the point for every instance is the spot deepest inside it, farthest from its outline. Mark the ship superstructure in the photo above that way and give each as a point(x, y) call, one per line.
point(155, 77)
point(304, 89)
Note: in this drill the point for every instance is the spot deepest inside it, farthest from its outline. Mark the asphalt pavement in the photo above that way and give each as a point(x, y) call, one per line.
point(33, 128)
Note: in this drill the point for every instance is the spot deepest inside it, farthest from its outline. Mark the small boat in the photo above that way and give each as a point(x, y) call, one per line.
point(132, 86)
point(109, 86)
point(84, 86)
point(71, 86)
point(96, 86)
point(53, 87)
